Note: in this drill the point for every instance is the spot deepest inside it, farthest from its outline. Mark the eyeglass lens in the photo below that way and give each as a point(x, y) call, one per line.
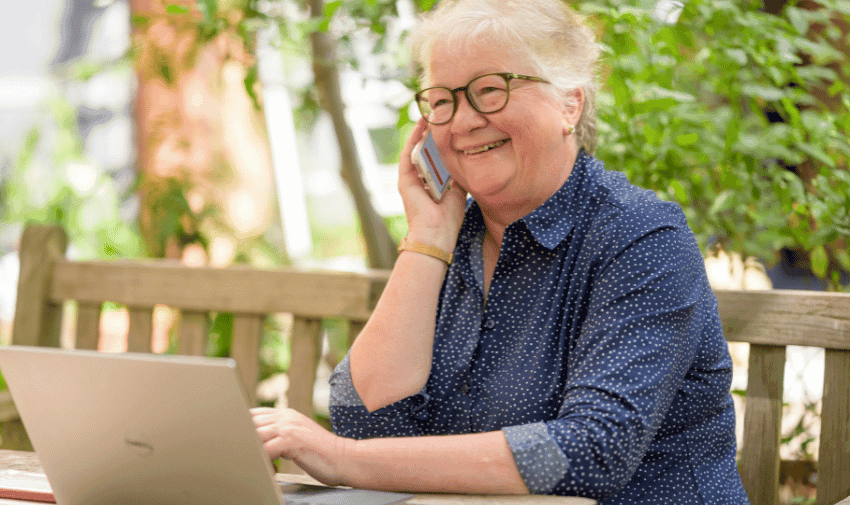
point(487, 93)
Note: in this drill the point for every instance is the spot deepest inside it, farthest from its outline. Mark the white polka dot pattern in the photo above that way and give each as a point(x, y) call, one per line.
point(598, 352)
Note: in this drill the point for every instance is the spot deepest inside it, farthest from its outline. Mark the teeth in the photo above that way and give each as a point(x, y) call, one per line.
point(485, 147)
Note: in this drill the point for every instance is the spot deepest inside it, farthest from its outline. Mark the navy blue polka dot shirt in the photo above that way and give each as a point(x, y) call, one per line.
point(598, 351)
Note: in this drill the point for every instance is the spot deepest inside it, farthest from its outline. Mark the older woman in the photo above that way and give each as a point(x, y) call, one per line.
point(572, 344)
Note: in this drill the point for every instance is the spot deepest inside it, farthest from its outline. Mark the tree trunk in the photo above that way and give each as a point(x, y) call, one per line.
point(380, 247)
point(201, 144)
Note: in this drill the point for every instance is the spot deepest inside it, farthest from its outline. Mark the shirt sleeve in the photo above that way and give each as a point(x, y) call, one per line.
point(640, 335)
point(351, 419)
point(539, 459)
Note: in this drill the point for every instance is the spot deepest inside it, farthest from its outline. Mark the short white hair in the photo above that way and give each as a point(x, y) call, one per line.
point(549, 33)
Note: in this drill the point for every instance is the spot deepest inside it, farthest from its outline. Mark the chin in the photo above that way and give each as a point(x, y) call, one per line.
point(486, 191)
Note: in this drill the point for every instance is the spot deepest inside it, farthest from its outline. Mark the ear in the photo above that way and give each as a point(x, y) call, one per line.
point(571, 110)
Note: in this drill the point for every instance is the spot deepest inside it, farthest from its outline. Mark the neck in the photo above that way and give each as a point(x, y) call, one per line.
point(499, 212)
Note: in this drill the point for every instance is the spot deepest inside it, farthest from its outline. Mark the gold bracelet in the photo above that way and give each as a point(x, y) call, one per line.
point(435, 252)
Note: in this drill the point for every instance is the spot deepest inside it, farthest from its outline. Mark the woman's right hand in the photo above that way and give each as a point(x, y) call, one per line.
point(429, 222)
point(286, 433)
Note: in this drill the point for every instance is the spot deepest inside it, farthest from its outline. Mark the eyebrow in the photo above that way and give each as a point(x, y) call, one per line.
point(492, 70)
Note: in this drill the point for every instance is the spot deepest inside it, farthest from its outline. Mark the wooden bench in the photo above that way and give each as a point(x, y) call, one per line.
point(768, 321)
point(48, 279)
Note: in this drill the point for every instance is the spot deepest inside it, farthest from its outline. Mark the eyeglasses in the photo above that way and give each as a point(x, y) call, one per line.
point(487, 94)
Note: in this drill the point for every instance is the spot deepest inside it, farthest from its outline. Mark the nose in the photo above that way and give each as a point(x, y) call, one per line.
point(466, 117)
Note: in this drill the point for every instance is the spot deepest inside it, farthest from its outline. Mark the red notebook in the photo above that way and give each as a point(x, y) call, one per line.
point(19, 485)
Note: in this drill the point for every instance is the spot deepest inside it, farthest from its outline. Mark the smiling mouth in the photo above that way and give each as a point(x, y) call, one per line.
point(486, 147)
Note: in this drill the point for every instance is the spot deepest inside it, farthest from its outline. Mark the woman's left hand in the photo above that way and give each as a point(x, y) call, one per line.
point(288, 434)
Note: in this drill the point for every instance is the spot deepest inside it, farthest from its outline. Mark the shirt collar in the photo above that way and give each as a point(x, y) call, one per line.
point(552, 222)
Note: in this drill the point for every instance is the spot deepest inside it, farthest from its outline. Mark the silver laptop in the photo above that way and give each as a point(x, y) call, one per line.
point(149, 429)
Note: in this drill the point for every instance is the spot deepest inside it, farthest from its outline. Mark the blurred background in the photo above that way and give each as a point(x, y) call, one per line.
point(267, 132)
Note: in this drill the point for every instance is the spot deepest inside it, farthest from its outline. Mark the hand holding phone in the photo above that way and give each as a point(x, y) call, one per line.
point(426, 159)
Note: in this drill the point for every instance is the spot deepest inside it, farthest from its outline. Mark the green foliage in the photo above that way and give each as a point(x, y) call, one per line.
point(336, 331)
point(397, 226)
point(738, 115)
point(801, 434)
point(723, 112)
point(220, 334)
point(176, 9)
point(169, 208)
point(276, 353)
point(335, 241)
point(52, 182)
point(348, 19)
point(425, 5)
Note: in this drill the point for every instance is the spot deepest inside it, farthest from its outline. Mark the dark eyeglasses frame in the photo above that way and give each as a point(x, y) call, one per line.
point(507, 76)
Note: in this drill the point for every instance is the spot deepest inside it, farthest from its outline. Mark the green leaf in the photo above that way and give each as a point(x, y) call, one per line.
point(209, 9)
point(165, 73)
point(816, 152)
point(652, 134)
point(678, 95)
point(250, 81)
point(812, 73)
point(654, 105)
point(843, 258)
point(798, 19)
point(769, 93)
point(836, 88)
point(738, 55)
point(620, 90)
point(176, 9)
point(724, 201)
point(679, 190)
point(27, 152)
point(317, 24)
point(425, 5)
point(819, 261)
point(687, 139)
point(331, 8)
point(139, 20)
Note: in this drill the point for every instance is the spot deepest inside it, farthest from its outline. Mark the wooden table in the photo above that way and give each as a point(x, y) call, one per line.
point(28, 462)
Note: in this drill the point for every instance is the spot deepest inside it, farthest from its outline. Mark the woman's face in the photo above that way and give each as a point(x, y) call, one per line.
point(517, 157)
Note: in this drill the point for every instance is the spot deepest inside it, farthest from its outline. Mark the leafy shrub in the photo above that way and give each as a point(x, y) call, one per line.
point(740, 116)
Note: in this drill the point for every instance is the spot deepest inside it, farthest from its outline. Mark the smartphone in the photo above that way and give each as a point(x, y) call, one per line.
point(426, 159)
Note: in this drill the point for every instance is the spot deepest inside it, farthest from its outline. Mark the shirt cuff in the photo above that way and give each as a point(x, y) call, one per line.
point(343, 393)
point(350, 419)
point(540, 461)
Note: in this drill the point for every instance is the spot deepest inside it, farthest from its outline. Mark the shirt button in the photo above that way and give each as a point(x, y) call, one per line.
point(489, 324)
point(464, 389)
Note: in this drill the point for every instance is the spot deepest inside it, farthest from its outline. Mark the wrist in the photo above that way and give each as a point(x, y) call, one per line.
point(436, 238)
point(426, 249)
point(346, 450)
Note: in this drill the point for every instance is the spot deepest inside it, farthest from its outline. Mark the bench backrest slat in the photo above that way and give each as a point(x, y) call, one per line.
point(37, 321)
point(245, 349)
point(88, 326)
point(762, 423)
point(834, 453)
point(141, 329)
point(305, 344)
point(192, 332)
